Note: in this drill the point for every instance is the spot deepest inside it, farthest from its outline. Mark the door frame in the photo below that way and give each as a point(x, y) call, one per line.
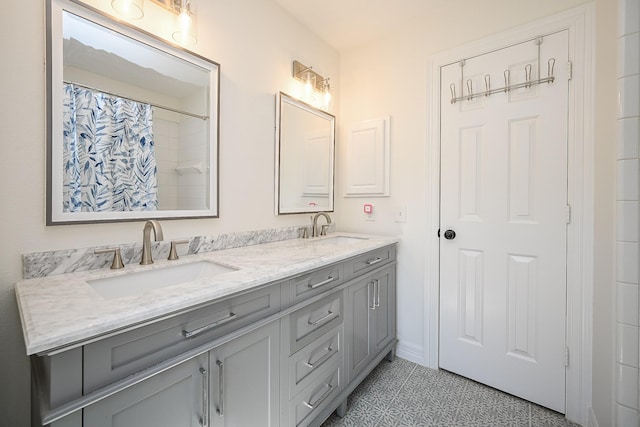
point(579, 322)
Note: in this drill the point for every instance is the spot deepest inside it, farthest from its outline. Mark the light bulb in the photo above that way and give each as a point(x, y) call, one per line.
point(309, 85)
point(326, 93)
point(185, 28)
point(184, 22)
point(327, 98)
point(128, 9)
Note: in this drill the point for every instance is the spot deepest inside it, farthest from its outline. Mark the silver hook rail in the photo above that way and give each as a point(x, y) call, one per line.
point(469, 96)
point(508, 87)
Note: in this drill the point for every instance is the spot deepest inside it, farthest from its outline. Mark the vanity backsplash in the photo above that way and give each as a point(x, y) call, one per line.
point(43, 264)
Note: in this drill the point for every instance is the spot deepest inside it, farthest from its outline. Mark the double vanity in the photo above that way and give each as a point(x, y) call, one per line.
point(275, 334)
point(269, 334)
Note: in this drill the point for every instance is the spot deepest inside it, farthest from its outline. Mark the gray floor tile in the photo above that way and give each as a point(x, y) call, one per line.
point(402, 393)
point(360, 414)
point(543, 417)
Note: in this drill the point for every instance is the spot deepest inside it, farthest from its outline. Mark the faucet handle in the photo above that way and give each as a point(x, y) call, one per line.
point(323, 229)
point(305, 232)
point(173, 253)
point(117, 263)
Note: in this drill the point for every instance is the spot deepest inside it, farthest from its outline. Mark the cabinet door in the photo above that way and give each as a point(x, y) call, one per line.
point(173, 398)
point(384, 315)
point(245, 379)
point(360, 303)
point(370, 318)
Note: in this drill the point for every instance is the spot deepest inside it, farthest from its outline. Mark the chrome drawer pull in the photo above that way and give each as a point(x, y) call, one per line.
point(374, 261)
point(205, 397)
point(321, 399)
point(329, 314)
point(327, 356)
point(377, 294)
point(371, 297)
point(189, 334)
point(220, 410)
point(324, 282)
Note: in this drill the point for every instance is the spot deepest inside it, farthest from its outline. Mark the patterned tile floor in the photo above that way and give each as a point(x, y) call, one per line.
point(405, 394)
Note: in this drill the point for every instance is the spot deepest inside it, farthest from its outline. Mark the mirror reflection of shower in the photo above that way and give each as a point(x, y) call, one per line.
point(134, 123)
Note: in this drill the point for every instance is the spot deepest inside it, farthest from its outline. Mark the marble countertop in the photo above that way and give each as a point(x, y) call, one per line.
point(64, 310)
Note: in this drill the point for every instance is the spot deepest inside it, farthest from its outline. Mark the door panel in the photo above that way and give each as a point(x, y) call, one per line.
point(470, 301)
point(522, 307)
point(360, 303)
point(245, 380)
point(522, 169)
point(504, 193)
point(172, 398)
point(384, 315)
point(470, 173)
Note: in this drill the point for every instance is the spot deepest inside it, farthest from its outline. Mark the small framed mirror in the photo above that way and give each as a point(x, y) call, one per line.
point(305, 145)
point(132, 122)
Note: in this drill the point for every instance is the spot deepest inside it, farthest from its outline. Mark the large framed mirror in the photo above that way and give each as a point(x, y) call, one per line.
point(132, 122)
point(305, 145)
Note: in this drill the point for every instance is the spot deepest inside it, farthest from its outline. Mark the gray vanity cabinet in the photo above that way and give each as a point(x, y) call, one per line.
point(234, 384)
point(244, 381)
point(176, 397)
point(370, 318)
point(285, 354)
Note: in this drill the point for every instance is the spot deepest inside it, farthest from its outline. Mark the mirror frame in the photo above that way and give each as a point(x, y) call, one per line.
point(54, 72)
point(283, 98)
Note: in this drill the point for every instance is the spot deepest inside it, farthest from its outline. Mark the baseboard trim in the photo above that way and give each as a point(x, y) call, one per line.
point(411, 353)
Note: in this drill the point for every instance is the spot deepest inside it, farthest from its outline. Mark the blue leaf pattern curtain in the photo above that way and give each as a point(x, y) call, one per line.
point(108, 154)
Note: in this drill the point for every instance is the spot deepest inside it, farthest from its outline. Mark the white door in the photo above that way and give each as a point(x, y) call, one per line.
point(504, 194)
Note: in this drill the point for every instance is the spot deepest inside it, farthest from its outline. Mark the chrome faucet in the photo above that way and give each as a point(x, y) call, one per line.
point(154, 225)
point(314, 227)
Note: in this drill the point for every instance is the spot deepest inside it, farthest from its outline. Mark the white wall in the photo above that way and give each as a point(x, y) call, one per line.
point(390, 77)
point(255, 43)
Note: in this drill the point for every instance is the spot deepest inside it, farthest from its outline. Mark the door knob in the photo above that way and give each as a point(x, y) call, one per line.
point(449, 234)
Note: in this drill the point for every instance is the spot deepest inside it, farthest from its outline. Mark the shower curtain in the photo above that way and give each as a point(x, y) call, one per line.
point(108, 154)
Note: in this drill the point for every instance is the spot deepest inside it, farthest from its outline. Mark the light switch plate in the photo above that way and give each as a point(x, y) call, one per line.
point(401, 214)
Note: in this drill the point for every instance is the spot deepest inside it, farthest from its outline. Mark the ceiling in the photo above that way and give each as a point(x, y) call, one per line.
point(346, 24)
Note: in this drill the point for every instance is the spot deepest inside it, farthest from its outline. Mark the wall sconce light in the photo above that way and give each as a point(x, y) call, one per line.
point(326, 92)
point(128, 9)
point(185, 29)
point(313, 82)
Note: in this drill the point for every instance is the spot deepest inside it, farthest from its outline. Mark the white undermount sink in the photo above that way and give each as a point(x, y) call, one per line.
point(340, 240)
point(144, 281)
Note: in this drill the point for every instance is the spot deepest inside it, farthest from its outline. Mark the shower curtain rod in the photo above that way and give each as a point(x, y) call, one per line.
point(173, 110)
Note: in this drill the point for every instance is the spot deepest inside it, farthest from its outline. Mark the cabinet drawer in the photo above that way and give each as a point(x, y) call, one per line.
point(314, 398)
point(317, 281)
point(314, 320)
point(116, 357)
point(310, 362)
point(371, 260)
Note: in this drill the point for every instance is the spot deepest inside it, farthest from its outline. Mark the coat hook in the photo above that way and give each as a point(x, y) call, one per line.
point(452, 87)
point(507, 80)
point(470, 89)
point(550, 64)
point(487, 84)
point(527, 72)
